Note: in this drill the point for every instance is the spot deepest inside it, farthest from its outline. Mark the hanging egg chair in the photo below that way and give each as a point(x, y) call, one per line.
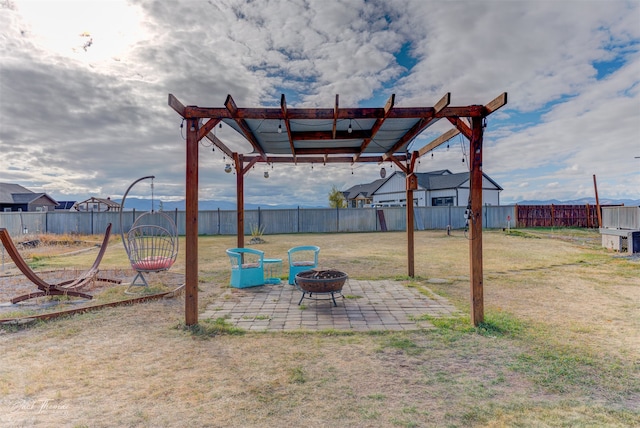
point(151, 243)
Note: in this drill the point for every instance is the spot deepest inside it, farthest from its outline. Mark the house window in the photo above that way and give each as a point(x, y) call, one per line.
point(442, 201)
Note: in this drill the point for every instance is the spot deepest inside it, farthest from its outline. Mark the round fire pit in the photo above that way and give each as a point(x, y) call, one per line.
point(327, 281)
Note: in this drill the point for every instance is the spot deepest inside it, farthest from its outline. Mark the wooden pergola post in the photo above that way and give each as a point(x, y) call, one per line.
point(239, 161)
point(410, 234)
point(475, 222)
point(411, 185)
point(191, 225)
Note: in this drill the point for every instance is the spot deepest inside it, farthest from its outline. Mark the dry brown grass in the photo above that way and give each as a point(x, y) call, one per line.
point(560, 347)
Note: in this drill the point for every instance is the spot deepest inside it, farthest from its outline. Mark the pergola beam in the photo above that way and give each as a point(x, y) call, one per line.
point(323, 159)
point(176, 105)
point(421, 125)
point(325, 114)
point(248, 134)
point(355, 134)
point(438, 141)
point(461, 126)
point(206, 128)
point(219, 144)
point(495, 104)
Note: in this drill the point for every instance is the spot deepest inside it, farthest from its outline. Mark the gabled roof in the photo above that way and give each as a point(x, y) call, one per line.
point(437, 182)
point(447, 181)
point(16, 194)
point(367, 190)
point(443, 179)
point(7, 190)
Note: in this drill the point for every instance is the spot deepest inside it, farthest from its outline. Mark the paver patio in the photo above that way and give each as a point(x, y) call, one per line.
point(368, 305)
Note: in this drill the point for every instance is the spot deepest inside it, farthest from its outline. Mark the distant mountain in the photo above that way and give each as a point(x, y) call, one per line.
point(203, 205)
point(583, 201)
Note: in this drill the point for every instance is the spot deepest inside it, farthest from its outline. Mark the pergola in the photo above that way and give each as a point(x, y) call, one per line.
point(332, 135)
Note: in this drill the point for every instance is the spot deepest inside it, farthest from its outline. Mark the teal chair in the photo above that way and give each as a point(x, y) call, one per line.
point(301, 259)
point(247, 267)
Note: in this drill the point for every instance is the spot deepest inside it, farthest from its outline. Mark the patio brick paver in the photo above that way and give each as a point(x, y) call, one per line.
point(372, 305)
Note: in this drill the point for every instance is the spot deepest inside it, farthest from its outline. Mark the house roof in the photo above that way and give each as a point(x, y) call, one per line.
point(435, 180)
point(366, 190)
point(448, 181)
point(16, 194)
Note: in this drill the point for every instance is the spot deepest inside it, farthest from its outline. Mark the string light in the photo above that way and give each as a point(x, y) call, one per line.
point(349, 129)
point(280, 127)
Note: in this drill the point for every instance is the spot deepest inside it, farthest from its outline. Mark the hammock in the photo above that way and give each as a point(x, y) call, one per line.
point(64, 288)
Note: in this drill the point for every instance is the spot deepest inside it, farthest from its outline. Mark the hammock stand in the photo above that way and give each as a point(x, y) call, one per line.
point(151, 243)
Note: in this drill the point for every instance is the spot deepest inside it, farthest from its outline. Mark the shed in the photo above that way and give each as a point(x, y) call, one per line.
point(97, 204)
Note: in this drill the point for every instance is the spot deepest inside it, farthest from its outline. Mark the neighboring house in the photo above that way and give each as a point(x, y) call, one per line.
point(97, 204)
point(14, 197)
point(436, 188)
point(361, 195)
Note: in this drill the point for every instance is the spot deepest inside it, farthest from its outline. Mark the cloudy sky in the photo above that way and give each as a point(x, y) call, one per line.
point(84, 87)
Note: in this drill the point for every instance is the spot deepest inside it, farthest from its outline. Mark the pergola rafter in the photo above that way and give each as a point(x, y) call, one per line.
point(376, 126)
point(316, 135)
point(248, 134)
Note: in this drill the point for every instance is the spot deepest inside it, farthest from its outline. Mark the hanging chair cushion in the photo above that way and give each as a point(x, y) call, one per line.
point(153, 263)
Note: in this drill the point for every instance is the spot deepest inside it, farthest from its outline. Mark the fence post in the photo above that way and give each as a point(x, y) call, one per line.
point(486, 215)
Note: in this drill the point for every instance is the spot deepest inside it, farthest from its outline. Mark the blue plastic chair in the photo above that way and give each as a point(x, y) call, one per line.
point(247, 267)
point(301, 259)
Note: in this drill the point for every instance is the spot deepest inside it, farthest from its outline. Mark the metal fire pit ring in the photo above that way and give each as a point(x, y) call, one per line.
point(323, 282)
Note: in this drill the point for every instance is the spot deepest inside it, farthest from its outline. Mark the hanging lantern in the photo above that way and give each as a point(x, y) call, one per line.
point(383, 172)
point(227, 168)
point(266, 174)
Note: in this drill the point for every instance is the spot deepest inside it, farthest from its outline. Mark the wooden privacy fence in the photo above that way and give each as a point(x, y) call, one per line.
point(556, 216)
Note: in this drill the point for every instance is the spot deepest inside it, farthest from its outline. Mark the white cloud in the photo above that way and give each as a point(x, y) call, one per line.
point(82, 123)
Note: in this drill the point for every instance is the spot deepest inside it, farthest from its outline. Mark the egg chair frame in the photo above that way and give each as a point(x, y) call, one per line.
point(151, 243)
